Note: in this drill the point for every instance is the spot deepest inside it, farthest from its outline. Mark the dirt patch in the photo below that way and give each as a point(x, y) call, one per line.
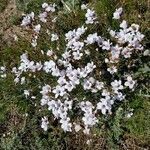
point(6, 15)
point(8, 30)
point(130, 142)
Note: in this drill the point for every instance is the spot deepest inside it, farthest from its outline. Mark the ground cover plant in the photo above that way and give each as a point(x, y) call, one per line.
point(75, 75)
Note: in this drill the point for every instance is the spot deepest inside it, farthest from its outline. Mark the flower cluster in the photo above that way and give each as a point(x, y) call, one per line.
point(47, 8)
point(3, 72)
point(89, 118)
point(117, 13)
point(25, 66)
point(90, 16)
point(27, 19)
point(77, 68)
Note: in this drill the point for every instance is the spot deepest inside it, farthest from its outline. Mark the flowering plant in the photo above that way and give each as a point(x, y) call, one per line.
point(100, 67)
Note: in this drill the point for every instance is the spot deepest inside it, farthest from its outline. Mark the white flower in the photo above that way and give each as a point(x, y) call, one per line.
point(89, 120)
point(116, 85)
point(90, 67)
point(135, 26)
point(88, 142)
point(112, 33)
point(55, 72)
point(44, 5)
point(104, 105)
point(105, 93)
point(49, 53)
point(66, 54)
point(80, 31)
point(87, 52)
point(87, 85)
point(52, 105)
point(43, 16)
point(92, 38)
point(123, 24)
point(59, 91)
point(130, 82)
point(77, 55)
point(129, 115)
point(99, 85)
point(119, 96)
point(77, 45)
point(83, 6)
point(86, 106)
point(15, 37)
point(49, 8)
point(82, 72)
point(44, 101)
point(54, 37)
point(34, 42)
point(92, 80)
point(16, 80)
point(69, 86)
point(54, 20)
point(71, 74)
point(90, 16)
point(106, 60)
point(26, 93)
point(68, 104)
point(23, 80)
point(61, 80)
point(126, 52)
point(112, 69)
point(66, 125)
point(45, 123)
point(146, 53)
point(48, 66)
point(117, 13)
point(70, 35)
point(37, 28)
point(77, 127)
point(106, 45)
point(2, 72)
point(46, 89)
point(27, 19)
point(38, 66)
point(115, 52)
point(86, 130)
point(3, 75)
point(2, 69)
